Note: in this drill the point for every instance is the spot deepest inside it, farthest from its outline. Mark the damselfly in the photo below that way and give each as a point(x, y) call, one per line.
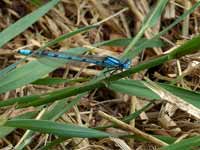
point(107, 61)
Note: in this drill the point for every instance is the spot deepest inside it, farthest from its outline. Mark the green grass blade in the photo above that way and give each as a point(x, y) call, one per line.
point(19, 100)
point(135, 52)
point(63, 130)
point(179, 19)
point(7, 130)
point(67, 35)
point(188, 144)
point(189, 47)
point(61, 107)
point(128, 118)
point(53, 143)
point(191, 97)
point(21, 25)
point(53, 113)
point(133, 88)
point(137, 88)
point(140, 45)
point(126, 41)
point(154, 15)
point(153, 18)
point(52, 81)
point(135, 114)
point(145, 44)
point(36, 2)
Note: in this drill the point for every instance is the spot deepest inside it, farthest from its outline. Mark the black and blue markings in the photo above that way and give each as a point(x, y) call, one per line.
point(108, 61)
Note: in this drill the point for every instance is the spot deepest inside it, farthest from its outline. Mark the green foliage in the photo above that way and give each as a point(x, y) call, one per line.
point(50, 127)
point(137, 88)
point(52, 81)
point(150, 21)
point(6, 130)
point(188, 144)
point(21, 25)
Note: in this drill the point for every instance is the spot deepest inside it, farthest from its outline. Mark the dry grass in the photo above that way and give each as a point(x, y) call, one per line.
point(162, 118)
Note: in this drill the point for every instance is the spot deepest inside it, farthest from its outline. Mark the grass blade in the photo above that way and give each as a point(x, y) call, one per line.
point(152, 19)
point(6, 130)
point(21, 25)
point(52, 81)
point(190, 143)
point(56, 110)
point(63, 130)
point(137, 88)
point(134, 53)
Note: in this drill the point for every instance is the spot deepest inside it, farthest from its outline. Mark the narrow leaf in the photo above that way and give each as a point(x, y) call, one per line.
point(63, 130)
point(25, 22)
point(188, 144)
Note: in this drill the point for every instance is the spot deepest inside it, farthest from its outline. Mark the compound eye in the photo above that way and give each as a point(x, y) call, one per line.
point(126, 64)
